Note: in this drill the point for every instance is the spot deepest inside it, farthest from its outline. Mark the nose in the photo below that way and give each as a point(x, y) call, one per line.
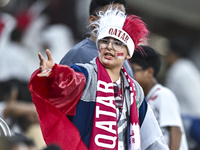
point(110, 45)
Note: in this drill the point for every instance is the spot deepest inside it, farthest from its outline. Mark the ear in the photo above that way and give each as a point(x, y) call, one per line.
point(92, 18)
point(128, 57)
point(150, 71)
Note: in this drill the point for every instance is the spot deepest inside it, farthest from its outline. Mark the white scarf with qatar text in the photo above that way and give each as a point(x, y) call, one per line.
point(104, 134)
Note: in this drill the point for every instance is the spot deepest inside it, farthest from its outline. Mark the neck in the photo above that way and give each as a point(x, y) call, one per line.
point(93, 38)
point(150, 85)
point(172, 57)
point(114, 74)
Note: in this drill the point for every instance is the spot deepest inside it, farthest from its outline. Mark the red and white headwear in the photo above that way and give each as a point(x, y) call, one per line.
point(130, 30)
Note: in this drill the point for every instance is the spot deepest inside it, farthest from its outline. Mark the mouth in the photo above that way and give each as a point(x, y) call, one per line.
point(108, 55)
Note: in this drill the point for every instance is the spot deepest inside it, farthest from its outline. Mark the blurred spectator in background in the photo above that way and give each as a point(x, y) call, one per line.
point(23, 34)
point(16, 106)
point(183, 78)
point(7, 24)
point(45, 31)
point(12, 59)
point(51, 28)
point(82, 16)
point(20, 115)
point(79, 53)
point(195, 53)
point(58, 38)
point(162, 100)
point(52, 147)
point(13, 62)
point(16, 142)
point(63, 12)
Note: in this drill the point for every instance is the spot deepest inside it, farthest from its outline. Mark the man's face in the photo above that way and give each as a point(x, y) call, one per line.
point(140, 75)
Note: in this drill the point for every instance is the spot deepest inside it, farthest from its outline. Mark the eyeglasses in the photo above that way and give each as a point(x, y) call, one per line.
point(116, 45)
point(117, 95)
point(136, 70)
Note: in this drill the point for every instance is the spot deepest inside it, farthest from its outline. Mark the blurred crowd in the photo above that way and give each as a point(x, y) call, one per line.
point(35, 25)
point(25, 30)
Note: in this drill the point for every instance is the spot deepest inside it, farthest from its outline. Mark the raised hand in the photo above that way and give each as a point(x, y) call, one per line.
point(45, 65)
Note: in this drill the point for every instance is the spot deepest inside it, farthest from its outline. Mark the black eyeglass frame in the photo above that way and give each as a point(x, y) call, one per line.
point(138, 69)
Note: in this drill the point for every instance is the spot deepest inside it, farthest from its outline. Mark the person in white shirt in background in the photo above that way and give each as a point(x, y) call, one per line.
point(162, 100)
point(183, 78)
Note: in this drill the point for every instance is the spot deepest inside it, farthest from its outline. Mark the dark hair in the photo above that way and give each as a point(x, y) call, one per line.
point(181, 45)
point(52, 147)
point(10, 142)
point(5, 90)
point(7, 86)
point(21, 138)
point(150, 58)
point(97, 5)
point(16, 35)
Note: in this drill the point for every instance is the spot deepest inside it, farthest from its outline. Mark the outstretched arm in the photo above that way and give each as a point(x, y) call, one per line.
point(60, 85)
point(45, 65)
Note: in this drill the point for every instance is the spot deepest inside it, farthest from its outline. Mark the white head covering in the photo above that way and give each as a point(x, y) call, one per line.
point(130, 30)
point(111, 24)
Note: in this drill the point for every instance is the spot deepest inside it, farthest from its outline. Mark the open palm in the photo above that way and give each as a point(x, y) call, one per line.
point(45, 65)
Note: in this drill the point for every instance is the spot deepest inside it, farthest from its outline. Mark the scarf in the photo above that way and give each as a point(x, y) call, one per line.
point(104, 133)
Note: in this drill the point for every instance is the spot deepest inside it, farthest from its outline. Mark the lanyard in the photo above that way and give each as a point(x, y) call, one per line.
point(122, 98)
